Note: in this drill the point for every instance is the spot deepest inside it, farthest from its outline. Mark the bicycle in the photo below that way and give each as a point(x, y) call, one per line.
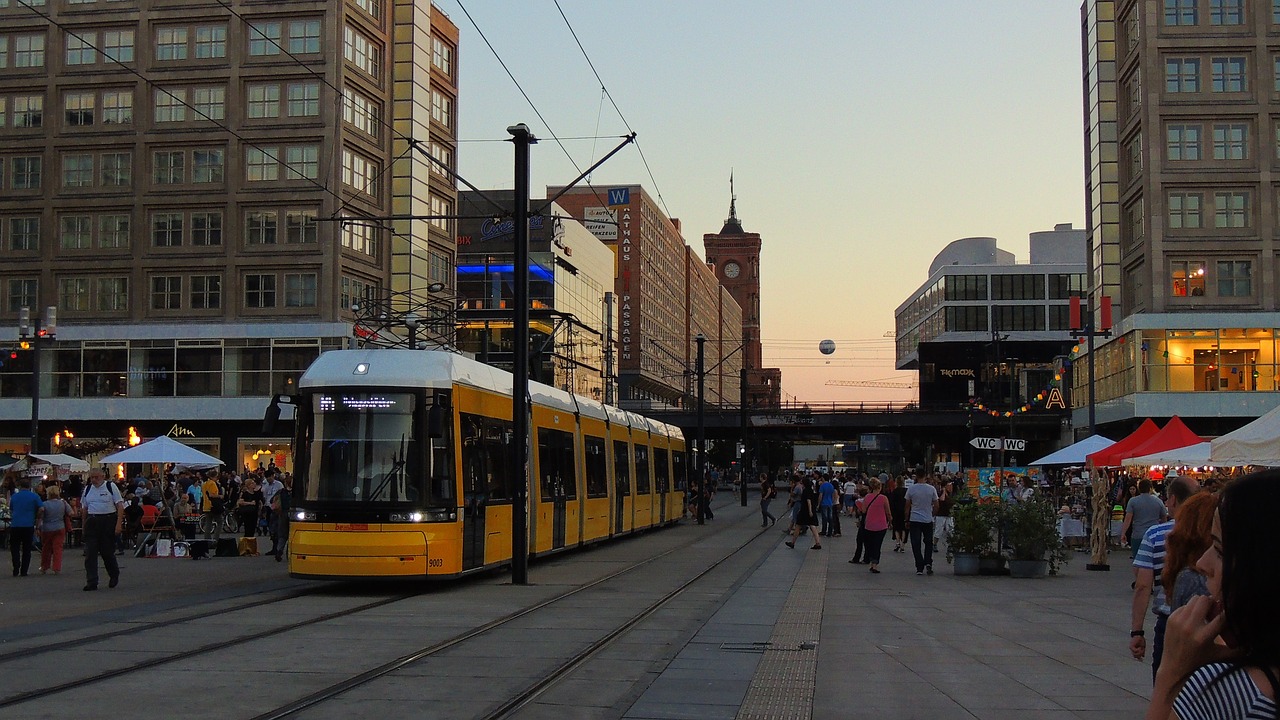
point(229, 523)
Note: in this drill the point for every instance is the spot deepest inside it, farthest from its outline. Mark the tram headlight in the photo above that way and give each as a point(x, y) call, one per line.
point(304, 515)
point(415, 516)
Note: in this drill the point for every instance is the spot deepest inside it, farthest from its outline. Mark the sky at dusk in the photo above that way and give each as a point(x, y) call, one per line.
point(863, 136)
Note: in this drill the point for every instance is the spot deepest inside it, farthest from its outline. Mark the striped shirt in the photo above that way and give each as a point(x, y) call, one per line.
point(1220, 691)
point(1151, 557)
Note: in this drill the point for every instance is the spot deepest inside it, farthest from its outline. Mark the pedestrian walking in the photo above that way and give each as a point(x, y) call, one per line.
point(53, 530)
point(897, 492)
point(283, 500)
point(827, 506)
point(921, 502)
point(808, 515)
point(793, 502)
point(767, 494)
point(875, 512)
point(859, 552)
point(25, 512)
point(1149, 563)
point(102, 509)
point(213, 502)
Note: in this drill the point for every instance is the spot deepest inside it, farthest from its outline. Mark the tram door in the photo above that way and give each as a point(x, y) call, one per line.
point(621, 484)
point(663, 481)
point(558, 480)
point(484, 444)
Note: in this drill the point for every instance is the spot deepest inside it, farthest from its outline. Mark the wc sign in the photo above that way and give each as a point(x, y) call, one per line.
point(1011, 444)
point(619, 196)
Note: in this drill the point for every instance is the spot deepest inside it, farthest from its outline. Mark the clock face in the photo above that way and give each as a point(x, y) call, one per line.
point(732, 269)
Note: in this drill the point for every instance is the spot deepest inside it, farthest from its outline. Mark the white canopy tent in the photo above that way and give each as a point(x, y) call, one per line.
point(163, 450)
point(1193, 455)
point(1076, 453)
point(1257, 443)
point(73, 464)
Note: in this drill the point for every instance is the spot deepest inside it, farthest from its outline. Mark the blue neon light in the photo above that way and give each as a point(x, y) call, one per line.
point(535, 270)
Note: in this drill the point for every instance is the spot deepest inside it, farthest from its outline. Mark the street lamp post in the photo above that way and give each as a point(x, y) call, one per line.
point(411, 323)
point(702, 425)
point(29, 330)
point(521, 138)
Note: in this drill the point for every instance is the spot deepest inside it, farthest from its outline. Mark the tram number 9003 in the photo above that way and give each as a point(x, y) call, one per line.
point(435, 562)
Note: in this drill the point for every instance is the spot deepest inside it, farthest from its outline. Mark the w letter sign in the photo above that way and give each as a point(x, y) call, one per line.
point(619, 196)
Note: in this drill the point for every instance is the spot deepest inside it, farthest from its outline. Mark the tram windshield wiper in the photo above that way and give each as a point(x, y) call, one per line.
point(396, 467)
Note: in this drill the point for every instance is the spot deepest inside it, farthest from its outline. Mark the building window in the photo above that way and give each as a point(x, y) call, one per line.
point(117, 169)
point(304, 36)
point(117, 107)
point(77, 170)
point(168, 167)
point(81, 47)
point(302, 161)
point(211, 41)
point(1017, 287)
point(166, 292)
point(300, 227)
point(442, 56)
point(1182, 75)
point(1060, 317)
point(1228, 75)
point(1226, 12)
point(1135, 218)
point(441, 209)
point(355, 291)
point(371, 7)
point(113, 294)
point(261, 164)
point(207, 166)
point(1063, 286)
point(360, 51)
point(73, 294)
point(28, 111)
point(1180, 12)
point(22, 294)
point(965, 287)
point(76, 232)
point(171, 105)
point(117, 45)
point(300, 290)
point(171, 43)
point(77, 108)
point(1235, 278)
point(1184, 211)
point(1231, 210)
point(166, 229)
point(1188, 278)
point(1230, 142)
point(260, 227)
point(359, 173)
point(264, 101)
point(264, 38)
point(24, 234)
point(444, 159)
point(304, 99)
point(206, 228)
point(25, 172)
point(441, 108)
point(28, 51)
point(1017, 317)
point(206, 292)
point(439, 268)
point(113, 231)
point(966, 319)
point(1183, 142)
point(361, 112)
point(360, 235)
point(210, 103)
point(260, 291)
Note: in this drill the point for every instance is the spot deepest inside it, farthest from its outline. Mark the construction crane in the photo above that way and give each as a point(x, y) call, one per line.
point(872, 383)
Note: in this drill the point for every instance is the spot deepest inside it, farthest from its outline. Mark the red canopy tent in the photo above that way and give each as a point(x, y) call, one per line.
point(1175, 434)
point(1111, 456)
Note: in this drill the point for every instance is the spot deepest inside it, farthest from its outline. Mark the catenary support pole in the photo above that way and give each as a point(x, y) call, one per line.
point(521, 138)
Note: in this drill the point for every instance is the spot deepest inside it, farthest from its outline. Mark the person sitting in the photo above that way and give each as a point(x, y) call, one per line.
point(1222, 651)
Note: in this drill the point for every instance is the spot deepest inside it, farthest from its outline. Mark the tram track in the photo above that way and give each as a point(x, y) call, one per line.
point(533, 691)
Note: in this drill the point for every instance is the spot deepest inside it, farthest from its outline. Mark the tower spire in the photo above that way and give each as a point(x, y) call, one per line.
point(732, 226)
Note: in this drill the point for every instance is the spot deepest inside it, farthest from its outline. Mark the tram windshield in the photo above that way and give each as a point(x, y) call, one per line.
point(365, 447)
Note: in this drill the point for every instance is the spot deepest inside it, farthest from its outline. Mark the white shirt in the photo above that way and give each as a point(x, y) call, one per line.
point(102, 499)
point(269, 490)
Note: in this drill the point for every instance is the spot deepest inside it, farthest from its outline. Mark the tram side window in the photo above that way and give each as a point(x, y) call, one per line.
point(622, 467)
point(556, 475)
point(485, 442)
point(678, 470)
point(661, 471)
point(442, 486)
point(642, 470)
point(597, 467)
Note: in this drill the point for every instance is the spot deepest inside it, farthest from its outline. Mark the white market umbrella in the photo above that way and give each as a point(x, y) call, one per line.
point(163, 449)
point(74, 464)
point(1193, 455)
point(1257, 443)
point(1075, 454)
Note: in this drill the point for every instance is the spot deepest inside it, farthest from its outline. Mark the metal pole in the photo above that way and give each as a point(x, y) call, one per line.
point(702, 425)
point(522, 139)
point(742, 420)
point(35, 384)
point(1093, 414)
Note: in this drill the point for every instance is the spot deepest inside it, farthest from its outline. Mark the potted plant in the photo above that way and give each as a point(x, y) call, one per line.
point(970, 536)
point(1031, 532)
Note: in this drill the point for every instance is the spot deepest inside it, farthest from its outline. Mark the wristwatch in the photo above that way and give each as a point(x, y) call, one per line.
point(1137, 633)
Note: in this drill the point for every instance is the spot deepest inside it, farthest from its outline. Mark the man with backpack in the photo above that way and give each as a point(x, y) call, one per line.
point(102, 511)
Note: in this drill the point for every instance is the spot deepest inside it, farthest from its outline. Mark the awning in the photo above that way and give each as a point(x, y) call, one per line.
point(1076, 453)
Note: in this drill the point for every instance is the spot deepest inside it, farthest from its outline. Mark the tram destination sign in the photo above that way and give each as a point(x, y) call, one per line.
point(1011, 444)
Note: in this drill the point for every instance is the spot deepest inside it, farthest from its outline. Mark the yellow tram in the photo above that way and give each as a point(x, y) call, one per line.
point(401, 468)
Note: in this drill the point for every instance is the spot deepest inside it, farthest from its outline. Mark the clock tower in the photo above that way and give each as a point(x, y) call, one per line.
point(734, 255)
